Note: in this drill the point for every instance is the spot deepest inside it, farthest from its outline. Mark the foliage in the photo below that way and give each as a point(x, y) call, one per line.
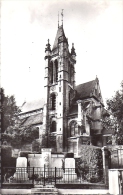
point(6, 137)
point(52, 141)
point(36, 146)
point(91, 157)
point(115, 121)
point(21, 135)
point(6, 152)
point(43, 141)
point(89, 164)
point(115, 105)
point(9, 110)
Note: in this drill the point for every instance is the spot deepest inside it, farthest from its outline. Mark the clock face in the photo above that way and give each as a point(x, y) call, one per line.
point(53, 88)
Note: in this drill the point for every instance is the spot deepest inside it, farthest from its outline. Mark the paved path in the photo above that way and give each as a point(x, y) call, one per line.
point(61, 191)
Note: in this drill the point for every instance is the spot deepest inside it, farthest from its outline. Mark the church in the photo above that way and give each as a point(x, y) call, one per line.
point(71, 115)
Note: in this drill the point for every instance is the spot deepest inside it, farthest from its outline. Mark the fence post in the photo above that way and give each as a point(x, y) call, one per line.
point(44, 174)
point(113, 181)
point(55, 175)
point(33, 176)
point(105, 164)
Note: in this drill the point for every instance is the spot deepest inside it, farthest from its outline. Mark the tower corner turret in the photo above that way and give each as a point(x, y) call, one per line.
point(47, 50)
point(73, 53)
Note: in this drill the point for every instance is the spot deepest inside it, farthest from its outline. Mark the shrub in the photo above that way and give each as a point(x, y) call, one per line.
point(6, 153)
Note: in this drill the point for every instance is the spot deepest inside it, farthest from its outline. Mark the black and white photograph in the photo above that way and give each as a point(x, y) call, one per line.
point(61, 92)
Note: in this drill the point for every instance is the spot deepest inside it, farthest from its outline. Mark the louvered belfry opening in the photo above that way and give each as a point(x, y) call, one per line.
point(53, 101)
point(53, 71)
point(51, 68)
point(53, 126)
point(56, 70)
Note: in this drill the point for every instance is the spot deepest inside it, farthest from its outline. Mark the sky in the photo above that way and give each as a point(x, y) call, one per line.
point(94, 26)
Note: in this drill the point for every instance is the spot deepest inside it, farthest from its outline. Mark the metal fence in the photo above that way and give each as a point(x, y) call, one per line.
point(45, 175)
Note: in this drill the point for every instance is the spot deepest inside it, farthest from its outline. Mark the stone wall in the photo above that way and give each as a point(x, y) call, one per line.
point(115, 156)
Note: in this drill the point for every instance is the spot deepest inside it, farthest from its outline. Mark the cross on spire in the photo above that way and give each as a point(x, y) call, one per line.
point(62, 16)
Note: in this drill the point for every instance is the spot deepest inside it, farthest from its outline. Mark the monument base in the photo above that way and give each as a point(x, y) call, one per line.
point(69, 177)
point(21, 176)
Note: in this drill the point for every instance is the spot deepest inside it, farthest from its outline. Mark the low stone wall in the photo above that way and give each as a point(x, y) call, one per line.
point(115, 156)
point(115, 181)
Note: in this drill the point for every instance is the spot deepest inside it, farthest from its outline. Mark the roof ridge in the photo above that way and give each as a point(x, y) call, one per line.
point(85, 82)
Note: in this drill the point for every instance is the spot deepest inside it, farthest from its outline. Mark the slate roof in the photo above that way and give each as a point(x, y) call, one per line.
point(84, 90)
point(30, 106)
point(33, 120)
point(60, 32)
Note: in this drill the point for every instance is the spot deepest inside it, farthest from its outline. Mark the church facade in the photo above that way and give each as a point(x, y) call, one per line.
point(72, 113)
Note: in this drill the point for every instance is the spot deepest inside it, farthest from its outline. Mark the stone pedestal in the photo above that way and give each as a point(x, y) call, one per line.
point(21, 175)
point(69, 174)
point(105, 155)
point(21, 169)
point(35, 161)
point(46, 156)
point(46, 159)
point(113, 181)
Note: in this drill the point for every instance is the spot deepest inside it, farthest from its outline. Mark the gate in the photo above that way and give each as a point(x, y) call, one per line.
point(42, 176)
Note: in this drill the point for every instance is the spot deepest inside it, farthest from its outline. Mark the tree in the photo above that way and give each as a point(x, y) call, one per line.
point(115, 108)
point(9, 109)
point(18, 136)
point(12, 132)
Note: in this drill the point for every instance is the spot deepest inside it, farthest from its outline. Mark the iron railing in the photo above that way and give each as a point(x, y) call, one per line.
point(45, 175)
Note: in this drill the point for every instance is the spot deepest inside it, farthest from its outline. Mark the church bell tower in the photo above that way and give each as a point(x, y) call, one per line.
point(59, 80)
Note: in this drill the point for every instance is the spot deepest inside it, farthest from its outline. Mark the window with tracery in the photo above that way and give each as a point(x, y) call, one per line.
point(69, 100)
point(73, 129)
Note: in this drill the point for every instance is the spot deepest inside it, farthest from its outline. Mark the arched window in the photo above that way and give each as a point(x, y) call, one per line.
point(53, 126)
point(51, 70)
point(76, 129)
point(53, 102)
point(73, 129)
point(69, 99)
point(56, 70)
